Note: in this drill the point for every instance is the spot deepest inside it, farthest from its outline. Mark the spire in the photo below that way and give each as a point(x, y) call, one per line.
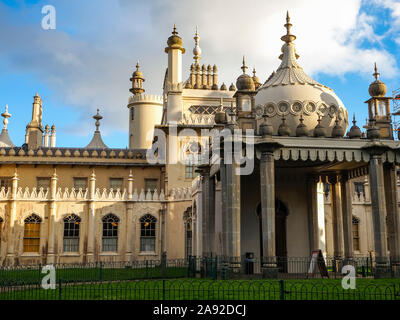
point(288, 37)
point(196, 49)
point(376, 74)
point(5, 115)
point(97, 117)
point(289, 71)
point(244, 67)
point(97, 141)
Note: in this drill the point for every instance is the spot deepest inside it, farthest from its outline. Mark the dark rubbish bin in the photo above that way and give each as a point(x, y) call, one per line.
point(249, 260)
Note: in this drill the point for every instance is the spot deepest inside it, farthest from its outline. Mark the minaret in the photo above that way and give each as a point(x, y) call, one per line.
point(173, 85)
point(137, 81)
point(379, 107)
point(34, 130)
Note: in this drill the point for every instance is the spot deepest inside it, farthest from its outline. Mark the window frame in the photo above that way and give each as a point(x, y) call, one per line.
point(32, 233)
point(72, 239)
point(355, 232)
point(80, 178)
point(146, 180)
point(6, 181)
point(116, 178)
point(42, 178)
point(148, 236)
point(105, 247)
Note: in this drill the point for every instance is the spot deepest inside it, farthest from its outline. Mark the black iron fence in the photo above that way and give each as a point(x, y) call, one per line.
point(203, 267)
point(197, 289)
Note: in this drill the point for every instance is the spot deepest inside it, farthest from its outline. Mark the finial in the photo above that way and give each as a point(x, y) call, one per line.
point(288, 38)
point(376, 73)
point(254, 71)
point(174, 32)
point(97, 117)
point(5, 115)
point(196, 49)
point(244, 67)
point(137, 65)
point(354, 119)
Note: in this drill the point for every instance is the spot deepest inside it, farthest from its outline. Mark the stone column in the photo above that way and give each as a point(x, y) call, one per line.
point(337, 216)
point(378, 206)
point(316, 214)
point(205, 187)
point(91, 217)
point(129, 219)
point(347, 214)
point(267, 180)
point(393, 219)
point(52, 218)
point(10, 258)
point(211, 216)
point(224, 212)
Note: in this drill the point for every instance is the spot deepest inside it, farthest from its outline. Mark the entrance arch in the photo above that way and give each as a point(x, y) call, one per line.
point(281, 214)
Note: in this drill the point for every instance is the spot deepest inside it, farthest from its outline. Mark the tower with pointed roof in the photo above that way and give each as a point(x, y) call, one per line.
point(379, 107)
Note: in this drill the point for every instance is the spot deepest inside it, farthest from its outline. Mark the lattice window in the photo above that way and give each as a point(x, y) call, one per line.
point(32, 233)
point(356, 233)
point(110, 233)
point(359, 188)
point(71, 233)
point(43, 182)
point(116, 183)
point(150, 184)
point(80, 183)
point(148, 233)
point(5, 182)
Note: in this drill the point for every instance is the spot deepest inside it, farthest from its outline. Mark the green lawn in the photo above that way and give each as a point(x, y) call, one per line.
point(33, 276)
point(197, 289)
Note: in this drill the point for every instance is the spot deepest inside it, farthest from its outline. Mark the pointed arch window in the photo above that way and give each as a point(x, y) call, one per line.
point(71, 233)
point(356, 233)
point(110, 233)
point(148, 233)
point(32, 233)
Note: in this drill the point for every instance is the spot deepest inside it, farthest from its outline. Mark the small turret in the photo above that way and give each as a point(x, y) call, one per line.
point(137, 81)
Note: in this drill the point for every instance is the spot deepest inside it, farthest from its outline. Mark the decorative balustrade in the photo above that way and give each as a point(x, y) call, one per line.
point(192, 118)
point(71, 194)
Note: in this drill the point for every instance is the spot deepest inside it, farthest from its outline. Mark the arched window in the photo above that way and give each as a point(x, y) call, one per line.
point(110, 233)
point(148, 233)
point(71, 233)
point(356, 233)
point(32, 233)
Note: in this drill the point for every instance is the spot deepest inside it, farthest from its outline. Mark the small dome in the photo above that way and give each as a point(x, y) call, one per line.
point(337, 131)
point(377, 88)
point(223, 87)
point(301, 130)
point(174, 41)
point(319, 130)
point(355, 132)
point(265, 128)
point(244, 81)
point(232, 87)
point(256, 80)
point(284, 129)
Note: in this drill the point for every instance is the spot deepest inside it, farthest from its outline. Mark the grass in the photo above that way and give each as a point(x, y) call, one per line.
point(32, 276)
point(200, 289)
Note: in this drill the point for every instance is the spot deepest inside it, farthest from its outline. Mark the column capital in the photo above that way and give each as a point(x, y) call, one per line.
point(376, 148)
point(334, 178)
point(267, 145)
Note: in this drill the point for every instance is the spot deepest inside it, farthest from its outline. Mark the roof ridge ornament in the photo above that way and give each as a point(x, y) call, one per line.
point(5, 115)
point(288, 37)
point(196, 49)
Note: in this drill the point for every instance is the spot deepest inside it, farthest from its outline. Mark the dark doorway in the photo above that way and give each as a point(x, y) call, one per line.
point(281, 213)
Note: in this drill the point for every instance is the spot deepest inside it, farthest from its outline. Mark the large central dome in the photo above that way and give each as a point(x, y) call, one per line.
point(291, 93)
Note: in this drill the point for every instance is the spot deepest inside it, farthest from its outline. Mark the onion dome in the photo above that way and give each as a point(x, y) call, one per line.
point(188, 85)
point(355, 132)
point(284, 129)
point(223, 87)
point(290, 92)
point(377, 88)
point(174, 41)
point(232, 87)
point(301, 130)
point(337, 131)
point(266, 129)
point(319, 130)
point(256, 80)
point(245, 82)
point(220, 116)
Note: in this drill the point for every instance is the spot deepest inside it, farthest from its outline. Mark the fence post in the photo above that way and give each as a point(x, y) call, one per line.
point(40, 273)
point(163, 289)
point(59, 289)
point(147, 267)
point(164, 264)
point(101, 271)
point(281, 290)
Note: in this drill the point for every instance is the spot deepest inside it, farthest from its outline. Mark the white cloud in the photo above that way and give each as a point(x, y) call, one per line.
point(92, 67)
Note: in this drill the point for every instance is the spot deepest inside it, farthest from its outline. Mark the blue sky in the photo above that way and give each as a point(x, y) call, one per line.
point(87, 61)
